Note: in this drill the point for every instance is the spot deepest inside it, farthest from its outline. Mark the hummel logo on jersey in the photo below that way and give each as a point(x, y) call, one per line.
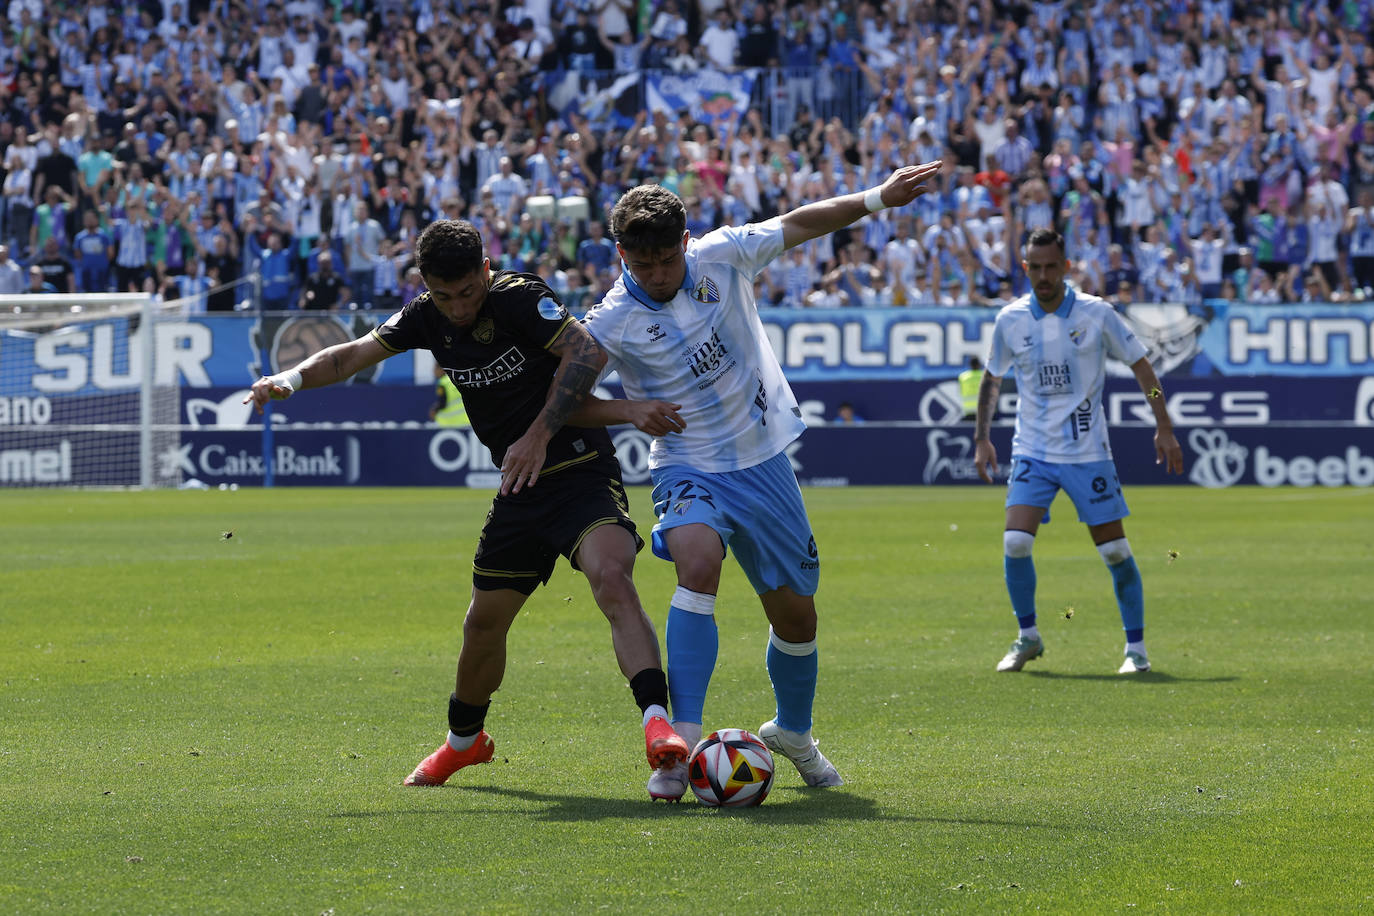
point(1026, 341)
point(655, 332)
point(706, 291)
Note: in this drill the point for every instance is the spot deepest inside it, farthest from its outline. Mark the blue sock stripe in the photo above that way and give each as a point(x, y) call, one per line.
point(794, 686)
point(1130, 594)
point(692, 646)
point(1020, 575)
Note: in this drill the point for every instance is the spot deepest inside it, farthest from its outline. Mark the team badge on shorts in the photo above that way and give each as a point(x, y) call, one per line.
point(682, 506)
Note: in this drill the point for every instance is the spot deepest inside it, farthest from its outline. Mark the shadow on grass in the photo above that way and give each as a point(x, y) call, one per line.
point(1149, 677)
point(818, 806)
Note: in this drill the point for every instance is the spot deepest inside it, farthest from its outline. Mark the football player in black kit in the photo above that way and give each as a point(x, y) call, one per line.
point(522, 364)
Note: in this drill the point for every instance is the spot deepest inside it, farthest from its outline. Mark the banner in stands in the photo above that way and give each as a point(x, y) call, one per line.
point(813, 345)
point(711, 96)
point(871, 454)
point(1192, 402)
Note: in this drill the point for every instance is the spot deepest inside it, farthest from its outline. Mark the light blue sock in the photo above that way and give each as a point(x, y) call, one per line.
point(1020, 574)
point(692, 646)
point(1130, 597)
point(792, 668)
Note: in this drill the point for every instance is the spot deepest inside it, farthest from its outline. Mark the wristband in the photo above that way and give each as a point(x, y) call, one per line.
point(873, 200)
point(290, 380)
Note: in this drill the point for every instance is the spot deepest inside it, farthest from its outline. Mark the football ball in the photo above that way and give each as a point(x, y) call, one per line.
point(730, 768)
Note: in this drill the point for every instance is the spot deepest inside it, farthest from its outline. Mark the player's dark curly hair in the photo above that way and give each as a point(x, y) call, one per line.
point(449, 249)
point(1044, 236)
point(648, 218)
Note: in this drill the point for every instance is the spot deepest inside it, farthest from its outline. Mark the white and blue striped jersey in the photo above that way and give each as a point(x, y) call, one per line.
point(706, 350)
point(1060, 360)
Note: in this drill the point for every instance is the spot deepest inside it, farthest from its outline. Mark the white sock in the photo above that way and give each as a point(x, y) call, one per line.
point(1030, 632)
point(654, 710)
point(1137, 647)
point(689, 732)
point(461, 742)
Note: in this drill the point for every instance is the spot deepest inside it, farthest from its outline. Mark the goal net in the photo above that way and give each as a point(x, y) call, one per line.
point(82, 400)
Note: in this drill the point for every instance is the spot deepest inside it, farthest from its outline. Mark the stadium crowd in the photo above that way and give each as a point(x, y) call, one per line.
point(1187, 150)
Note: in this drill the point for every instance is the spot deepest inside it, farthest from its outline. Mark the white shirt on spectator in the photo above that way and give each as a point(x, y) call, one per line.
point(505, 190)
point(1207, 260)
point(1321, 85)
point(721, 45)
point(397, 91)
point(347, 30)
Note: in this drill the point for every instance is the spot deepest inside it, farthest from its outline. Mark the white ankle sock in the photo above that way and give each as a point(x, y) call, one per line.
point(1137, 647)
point(689, 731)
point(461, 742)
point(1030, 632)
point(654, 710)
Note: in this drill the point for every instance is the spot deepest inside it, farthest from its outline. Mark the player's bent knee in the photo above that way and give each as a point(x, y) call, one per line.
point(613, 589)
point(1115, 552)
point(1017, 543)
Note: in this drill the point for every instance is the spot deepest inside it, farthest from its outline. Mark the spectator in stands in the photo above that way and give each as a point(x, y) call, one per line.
point(1224, 112)
point(38, 284)
point(57, 270)
point(845, 415)
point(720, 41)
point(94, 251)
point(596, 252)
point(321, 290)
point(363, 247)
point(12, 277)
point(131, 245)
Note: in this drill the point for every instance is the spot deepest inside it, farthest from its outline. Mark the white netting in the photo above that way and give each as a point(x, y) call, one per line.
point(80, 405)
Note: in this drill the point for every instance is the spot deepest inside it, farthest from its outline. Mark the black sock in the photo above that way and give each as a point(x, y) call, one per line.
point(463, 719)
point(650, 688)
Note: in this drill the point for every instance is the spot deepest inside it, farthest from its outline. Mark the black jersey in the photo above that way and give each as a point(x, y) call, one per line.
point(500, 363)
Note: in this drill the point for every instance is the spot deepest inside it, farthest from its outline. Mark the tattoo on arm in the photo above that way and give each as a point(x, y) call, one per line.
point(987, 403)
point(576, 376)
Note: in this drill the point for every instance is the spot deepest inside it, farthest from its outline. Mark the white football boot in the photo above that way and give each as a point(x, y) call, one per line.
point(815, 770)
point(668, 783)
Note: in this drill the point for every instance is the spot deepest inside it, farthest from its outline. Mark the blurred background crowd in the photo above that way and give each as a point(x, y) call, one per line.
point(238, 151)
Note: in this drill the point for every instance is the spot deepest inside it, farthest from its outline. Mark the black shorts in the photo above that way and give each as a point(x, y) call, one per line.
point(525, 532)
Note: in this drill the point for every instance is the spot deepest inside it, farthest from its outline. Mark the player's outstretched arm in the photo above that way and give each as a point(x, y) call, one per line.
point(1167, 450)
point(325, 367)
point(984, 453)
point(655, 417)
point(826, 216)
point(581, 360)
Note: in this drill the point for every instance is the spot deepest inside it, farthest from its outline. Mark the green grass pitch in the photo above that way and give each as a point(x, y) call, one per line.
point(197, 724)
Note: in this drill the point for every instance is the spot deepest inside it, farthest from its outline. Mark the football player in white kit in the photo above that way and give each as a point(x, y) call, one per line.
point(681, 325)
point(1057, 340)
